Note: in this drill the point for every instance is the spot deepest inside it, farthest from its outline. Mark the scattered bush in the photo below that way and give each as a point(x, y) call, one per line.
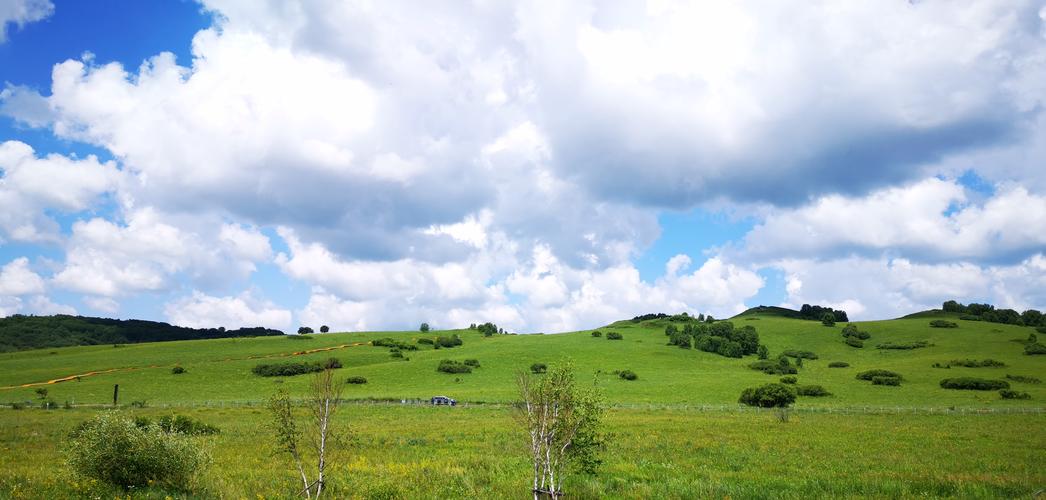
point(789, 380)
point(50, 404)
point(597, 333)
point(451, 366)
point(763, 352)
point(828, 319)
point(1034, 349)
point(893, 381)
point(178, 370)
point(299, 337)
point(850, 330)
point(1023, 379)
point(447, 342)
point(769, 396)
point(628, 375)
point(918, 344)
point(17, 405)
point(838, 364)
point(974, 384)
point(302, 330)
point(538, 368)
point(356, 379)
point(869, 374)
point(472, 362)
point(325, 329)
point(941, 323)
point(292, 369)
point(180, 424)
point(792, 353)
point(394, 344)
point(780, 367)
point(426, 341)
point(973, 363)
point(969, 317)
point(853, 342)
point(614, 336)
point(138, 404)
point(1010, 394)
point(812, 390)
point(112, 449)
point(396, 353)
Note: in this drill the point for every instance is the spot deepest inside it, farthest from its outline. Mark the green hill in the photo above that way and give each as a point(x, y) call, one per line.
point(20, 332)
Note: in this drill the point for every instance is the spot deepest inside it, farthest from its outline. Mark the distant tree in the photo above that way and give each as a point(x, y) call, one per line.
point(488, 329)
point(763, 352)
point(828, 319)
point(304, 329)
point(701, 317)
point(1032, 317)
point(670, 330)
point(424, 327)
point(325, 329)
point(709, 319)
point(42, 392)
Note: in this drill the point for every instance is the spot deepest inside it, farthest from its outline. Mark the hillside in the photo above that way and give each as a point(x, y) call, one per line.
point(220, 369)
point(19, 332)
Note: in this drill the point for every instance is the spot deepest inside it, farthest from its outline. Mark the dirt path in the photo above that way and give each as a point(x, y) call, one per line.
point(133, 368)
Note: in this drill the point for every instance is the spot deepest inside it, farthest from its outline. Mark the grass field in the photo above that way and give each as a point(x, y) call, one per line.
point(863, 441)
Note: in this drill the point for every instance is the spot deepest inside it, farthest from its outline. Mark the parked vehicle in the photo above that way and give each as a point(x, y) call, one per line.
point(443, 400)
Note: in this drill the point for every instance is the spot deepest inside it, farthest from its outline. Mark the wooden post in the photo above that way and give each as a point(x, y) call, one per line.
point(116, 393)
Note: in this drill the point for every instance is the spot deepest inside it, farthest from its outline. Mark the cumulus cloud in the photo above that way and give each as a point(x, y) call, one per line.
point(17, 279)
point(22, 12)
point(205, 311)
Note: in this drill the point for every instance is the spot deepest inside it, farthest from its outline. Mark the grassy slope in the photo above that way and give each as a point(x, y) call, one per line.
point(219, 371)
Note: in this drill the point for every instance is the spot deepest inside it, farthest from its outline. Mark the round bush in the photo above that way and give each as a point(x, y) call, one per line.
point(788, 380)
point(178, 370)
point(614, 336)
point(597, 333)
point(451, 366)
point(628, 375)
point(538, 368)
point(356, 379)
point(112, 449)
point(940, 323)
point(838, 364)
point(769, 396)
point(892, 381)
point(812, 390)
point(853, 342)
point(974, 384)
point(1010, 394)
point(474, 363)
point(870, 374)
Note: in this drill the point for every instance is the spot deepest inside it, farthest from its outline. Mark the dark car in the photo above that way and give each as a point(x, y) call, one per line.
point(443, 400)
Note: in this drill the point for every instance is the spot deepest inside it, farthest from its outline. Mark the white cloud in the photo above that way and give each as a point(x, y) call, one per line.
point(22, 12)
point(41, 305)
point(204, 311)
point(104, 304)
point(17, 279)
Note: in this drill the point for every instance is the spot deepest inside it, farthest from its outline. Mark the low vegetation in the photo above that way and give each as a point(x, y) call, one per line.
point(792, 353)
point(769, 396)
point(356, 380)
point(780, 367)
point(628, 375)
point(871, 374)
point(291, 368)
point(1011, 394)
point(942, 323)
point(614, 336)
point(812, 390)
point(971, 363)
point(974, 384)
point(451, 366)
point(1023, 379)
point(906, 346)
point(838, 364)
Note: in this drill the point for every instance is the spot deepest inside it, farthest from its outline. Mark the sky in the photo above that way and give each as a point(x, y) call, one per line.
point(547, 166)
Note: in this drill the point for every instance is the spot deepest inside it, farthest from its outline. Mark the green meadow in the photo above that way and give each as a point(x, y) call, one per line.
point(678, 431)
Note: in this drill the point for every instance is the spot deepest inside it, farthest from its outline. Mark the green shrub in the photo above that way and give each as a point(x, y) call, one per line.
point(292, 369)
point(17, 405)
point(853, 342)
point(762, 352)
point(974, 384)
point(1010, 394)
point(940, 323)
point(769, 396)
point(879, 380)
point(299, 337)
point(628, 375)
point(448, 342)
point(770, 367)
point(597, 333)
point(1034, 349)
point(614, 336)
point(792, 353)
point(970, 317)
point(869, 374)
point(426, 341)
point(177, 370)
point(538, 368)
point(474, 363)
point(851, 330)
point(973, 363)
point(918, 344)
point(1024, 379)
point(356, 379)
point(50, 404)
point(838, 364)
point(181, 424)
point(394, 344)
point(812, 390)
point(451, 366)
point(110, 448)
point(789, 380)
point(396, 353)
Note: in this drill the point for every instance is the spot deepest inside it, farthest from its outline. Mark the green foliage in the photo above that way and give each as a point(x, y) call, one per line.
point(812, 390)
point(892, 381)
point(838, 364)
point(1024, 379)
point(291, 369)
point(113, 449)
point(177, 370)
point(789, 380)
point(792, 353)
point(904, 346)
point(762, 352)
point(448, 342)
point(941, 323)
point(474, 363)
point(356, 380)
point(424, 328)
point(628, 375)
point(870, 374)
point(614, 336)
point(488, 329)
point(451, 366)
point(828, 319)
point(972, 363)
point(1011, 394)
point(325, 329)
point(41, 392)
point(299, 337)
point(851, 331)
point(780, 367)
point(394, 344)
point(1034, 349)
point(538, 368)
point(304, 330)
point(181, 424)
point(974, 384)
point(426, 341)
point(769, 396)
point(853, 342)
point(597, 333)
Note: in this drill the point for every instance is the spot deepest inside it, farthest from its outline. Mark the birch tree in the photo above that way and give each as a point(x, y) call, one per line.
point(311, 445)
point(562, 423)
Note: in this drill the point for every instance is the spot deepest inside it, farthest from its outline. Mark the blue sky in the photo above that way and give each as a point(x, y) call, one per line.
point(235, 163)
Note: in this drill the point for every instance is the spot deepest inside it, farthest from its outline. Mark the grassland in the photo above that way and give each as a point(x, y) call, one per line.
point(663, 446)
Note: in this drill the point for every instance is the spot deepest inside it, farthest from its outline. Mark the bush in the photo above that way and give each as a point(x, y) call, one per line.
point(773, 367)
point(789, 380)
point(292, 369)
point(299, 337)
point(853, 342)
point(969, 317)
point(769, 396)
point(426, 341)
point(870, 374)
point(1034, 349)
point(614, 336)
point(918, 344)
point(394, 344)
point(838, 364)
point(424, 327)
point(178, 370)
point(973, 363)
point(597, 333)
point(180, 424)
point(302, 330)
point(812, 390)
point(850, 330)
point(1023, 379)
point(538, 368)
point(628, 375)
point(828, 319)
point(763, 352)
point(1010, 394)
point(451, 366)
point(474, 363)
point(325, 329)
point(894, 381)
point(396, 353)
point(448, 342)
point(974, 384)
point(356, 379)
point(940, 323)
point(792, 353)
point(112, 449)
